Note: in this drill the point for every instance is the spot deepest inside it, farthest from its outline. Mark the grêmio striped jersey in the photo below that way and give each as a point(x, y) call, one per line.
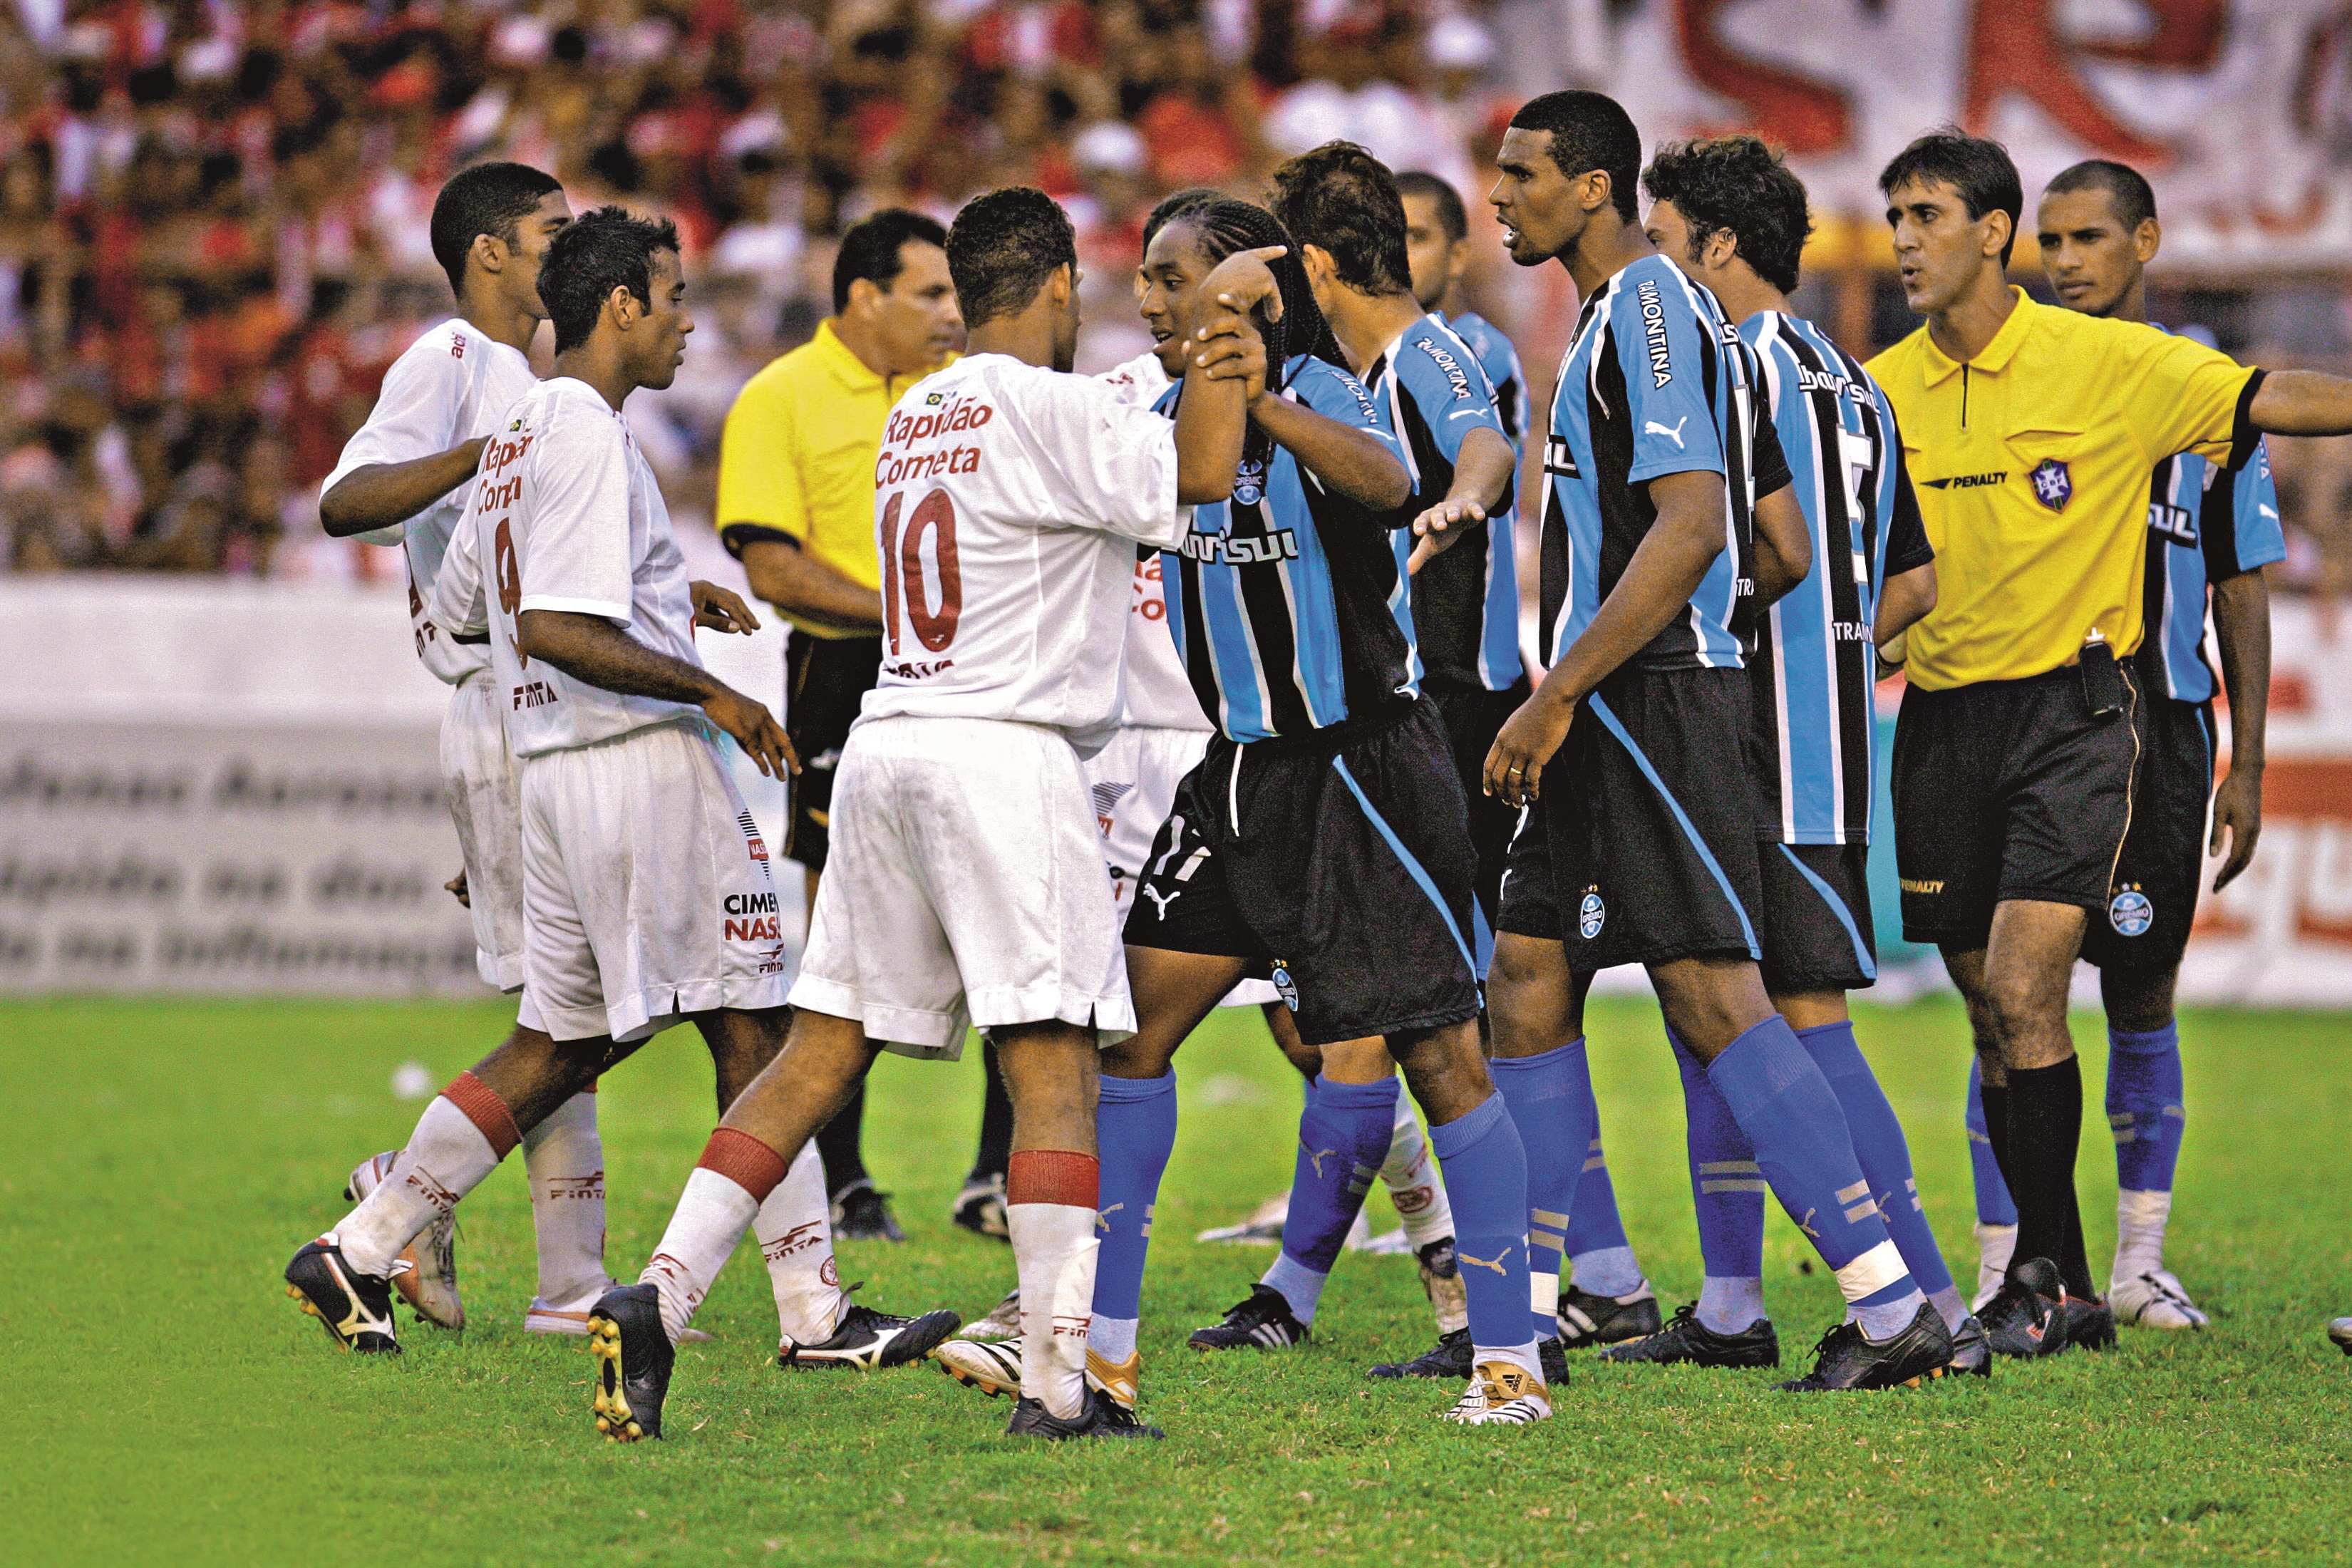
point(1279, 597)
point(1461, 614)
point(1813, 664)
point(1500, 360)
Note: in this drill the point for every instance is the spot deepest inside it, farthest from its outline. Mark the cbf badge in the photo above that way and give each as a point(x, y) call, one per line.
point(2130, 913)
point(1249, 483)
point(2053, 485)
point(1284, 987)
point(1592, 914)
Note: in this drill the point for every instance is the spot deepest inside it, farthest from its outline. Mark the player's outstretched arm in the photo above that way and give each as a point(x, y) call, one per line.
point(1784, 545)
point(2302, 403)
point(799, 585)
point(384, 494)
point(1481, 474)
point(2242, 636)
point(590, 649)
point(1356, 463)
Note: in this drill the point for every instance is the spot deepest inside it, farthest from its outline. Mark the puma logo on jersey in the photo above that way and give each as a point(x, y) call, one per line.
point(1652, 428)
point(1162, 900)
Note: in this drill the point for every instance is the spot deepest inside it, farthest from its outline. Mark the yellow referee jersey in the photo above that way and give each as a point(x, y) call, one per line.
point(2031, 462)
point(797, 455)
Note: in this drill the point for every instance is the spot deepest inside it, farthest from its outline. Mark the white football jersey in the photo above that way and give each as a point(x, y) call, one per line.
point(451, 385)
point(566, 516)
point(1158, 695)
point(1008, 503)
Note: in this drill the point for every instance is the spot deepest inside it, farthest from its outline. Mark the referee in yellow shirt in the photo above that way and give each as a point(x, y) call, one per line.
point(2030, 433)
point(796, 507)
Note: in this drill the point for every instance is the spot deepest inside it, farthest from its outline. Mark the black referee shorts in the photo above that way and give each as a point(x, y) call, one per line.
point(825, 683)
point(1473, 719)
point(2153, 900)
point(1816, 928)
point(1341, 860)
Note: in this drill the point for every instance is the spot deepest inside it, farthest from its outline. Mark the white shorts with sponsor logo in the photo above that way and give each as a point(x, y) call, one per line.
point(645, 889)
point(964, 885)
point(486, 803)
point(1134, 780)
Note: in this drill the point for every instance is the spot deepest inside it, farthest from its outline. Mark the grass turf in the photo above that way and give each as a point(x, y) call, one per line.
point(165, 1157)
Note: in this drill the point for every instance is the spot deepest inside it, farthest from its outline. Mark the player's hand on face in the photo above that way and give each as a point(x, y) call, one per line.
point(457, 890)
point(2237, 807)
point(1527, 741)
point(755, 729)
point(719, 609)
point(1440, 528)
point(1242, 279)
point(1229, 349)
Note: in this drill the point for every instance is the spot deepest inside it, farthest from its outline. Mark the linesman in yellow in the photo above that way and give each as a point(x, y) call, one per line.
point(2030, 433)
point(796, 507)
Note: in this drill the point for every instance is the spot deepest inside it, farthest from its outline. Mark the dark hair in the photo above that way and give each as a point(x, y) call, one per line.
point(1228, 226)
point(1978, 167)
point(2128, 191)
point(1589, 131)
point(870, 250)
point(1340, 197)
point(599, 251)
point(1169, 206)
point(1451, 216)
point(488, 198)
point(1736, 183)
point(1004, 247)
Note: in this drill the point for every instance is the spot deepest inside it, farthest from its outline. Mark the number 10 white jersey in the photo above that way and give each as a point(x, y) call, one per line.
point(1008, 503)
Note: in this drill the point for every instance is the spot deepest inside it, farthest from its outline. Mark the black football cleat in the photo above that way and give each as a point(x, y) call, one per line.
point(1586, 1320)
point(1093, 1419)
point(634, 1360)
point(1847, 1359)
point(1453, 1357)
point(1687, 1341)
point(980, 1208)
point(2340, 1333)
point(1971, 1351)
point(355, 1309)
point(2090, 1322)
point(2024, 1318)
point(870, 1340)
point(1261, 1320)
point(862, 1213)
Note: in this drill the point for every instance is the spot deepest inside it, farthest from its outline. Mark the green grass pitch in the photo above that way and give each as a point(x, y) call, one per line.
point(163, 1158)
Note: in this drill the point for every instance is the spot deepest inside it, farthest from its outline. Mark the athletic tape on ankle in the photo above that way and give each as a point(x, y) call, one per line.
point(487, 1112)
point(1052, 1176)
point(744, 1160)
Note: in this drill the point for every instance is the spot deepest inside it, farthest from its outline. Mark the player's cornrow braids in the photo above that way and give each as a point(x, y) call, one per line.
point(1227, 226)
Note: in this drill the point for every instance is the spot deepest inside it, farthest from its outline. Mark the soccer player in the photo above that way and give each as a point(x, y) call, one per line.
point(2031, 431)
point(1437, 251)
point(1640, 841)
point(796, 507)
point(968, 884)
point(1733, 218)
point(2209, 527)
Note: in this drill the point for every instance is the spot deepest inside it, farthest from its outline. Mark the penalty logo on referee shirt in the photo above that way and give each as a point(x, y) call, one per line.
point(1592, 914)
point(2130, 913)
point(2053, 485)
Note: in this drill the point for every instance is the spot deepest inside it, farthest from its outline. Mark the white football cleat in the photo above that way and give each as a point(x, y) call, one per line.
point(1262, 1229)
point(1501, 1394)
point(2154, 1300)
point(992, 1366)
point(429, 1283)
point(1003, 1322)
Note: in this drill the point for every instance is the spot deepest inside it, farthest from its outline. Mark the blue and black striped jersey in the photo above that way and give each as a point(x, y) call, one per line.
point(1814, 664)
point(1280, 597)
point(1461, 614)
point(1500, 360)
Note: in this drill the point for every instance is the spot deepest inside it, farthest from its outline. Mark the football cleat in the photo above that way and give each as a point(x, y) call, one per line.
point(1687, 1341)
point(1121, 1382)
point(1588, 1319)
point(1453, 1357)
point(429, 1284)
point(634, 1360)
point(1261, 1320)
point(542, 1319)
point(992, 1366)
point(1388, 1243)
point(1847, 1359)
point(1262, 1229)
point(860, 1213)
point(1003, 1322)
point(1501, 1394)
point(870, 1340)
point(355, 1309)
point(980, 1208)
point(1440, 1281)
point(2340, 1332)
point(1093, 1419)
point(2154, 1301)
point(2090, 1322)
point(2023, 1318)
point(1971, 1350)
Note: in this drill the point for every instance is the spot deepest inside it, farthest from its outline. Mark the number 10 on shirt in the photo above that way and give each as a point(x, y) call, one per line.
point(908, 576)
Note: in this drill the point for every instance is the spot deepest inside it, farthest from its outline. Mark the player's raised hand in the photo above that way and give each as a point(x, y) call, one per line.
point(1440, 528)
point(754, 728)
point(1528, 739)
point(719, 609)
point(1229, 349)
point(2237, 809)
point(1242, 279)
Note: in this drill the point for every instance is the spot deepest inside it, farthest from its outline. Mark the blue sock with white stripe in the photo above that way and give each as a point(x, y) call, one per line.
point(1727, 1190)
point(1549, 1098)
point(1343, 1137)
point(1135, 1128)
point(1791, 1118)
point(1601, 1261)
point(1485, 1169)
point(1994, 1205)
point(1886, 1156)
point(2144, 1093)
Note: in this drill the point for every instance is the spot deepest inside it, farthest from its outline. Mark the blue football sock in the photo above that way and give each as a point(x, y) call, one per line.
point(1485, 1170)
point(2144, 1107)
point(1791, 1118)
point(1600, 1259)
point(1886, 1156)
point(1343, 1137)
point(1135, 1128)
point(1551, 1100)
point(1994, 1205)
point(1728, 1189)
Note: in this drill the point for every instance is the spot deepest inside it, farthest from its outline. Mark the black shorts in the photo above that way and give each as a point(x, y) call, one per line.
point(826, 681)
point(2153, 900)
point(1816, 927)
point(1346, 869)
point(1473, 719)
point(1642, 847)
point(2007, 789)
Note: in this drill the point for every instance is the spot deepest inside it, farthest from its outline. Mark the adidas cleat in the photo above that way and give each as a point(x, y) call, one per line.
point(2024, 1318)
point(1093, 1419)
point(2154, 1301)
point(1120, 1383)
point(1261, 1320)
point(980, 1209)
point(1501, 1394)
point(1262, 1229)
point(870, 1340)
point(355, 1309)
point(860, 1213)
point(429, 1284)
point(992, 1366)
point(1003, 1322)
point(634, 1360)
point(1971, 1350)
point(1440, 1281)
point(1687, 1341)
point(1846, 1359)
point(2340, 1333)
point(1588, 1319)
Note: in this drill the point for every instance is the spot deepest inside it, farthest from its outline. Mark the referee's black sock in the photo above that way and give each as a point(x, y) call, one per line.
point(837, 1144)
point(1995, 1098)
point(995, 1121)
point(2045, 1127)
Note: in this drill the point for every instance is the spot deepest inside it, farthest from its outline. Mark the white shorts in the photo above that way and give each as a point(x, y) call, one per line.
point(645, 889)
point(486, 803)
point(963, 884)
point(1134, 780)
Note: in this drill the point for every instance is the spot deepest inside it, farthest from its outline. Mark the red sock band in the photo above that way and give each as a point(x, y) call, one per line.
point(744, 1160)
point(1052, 1176)
point(486, 1110)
